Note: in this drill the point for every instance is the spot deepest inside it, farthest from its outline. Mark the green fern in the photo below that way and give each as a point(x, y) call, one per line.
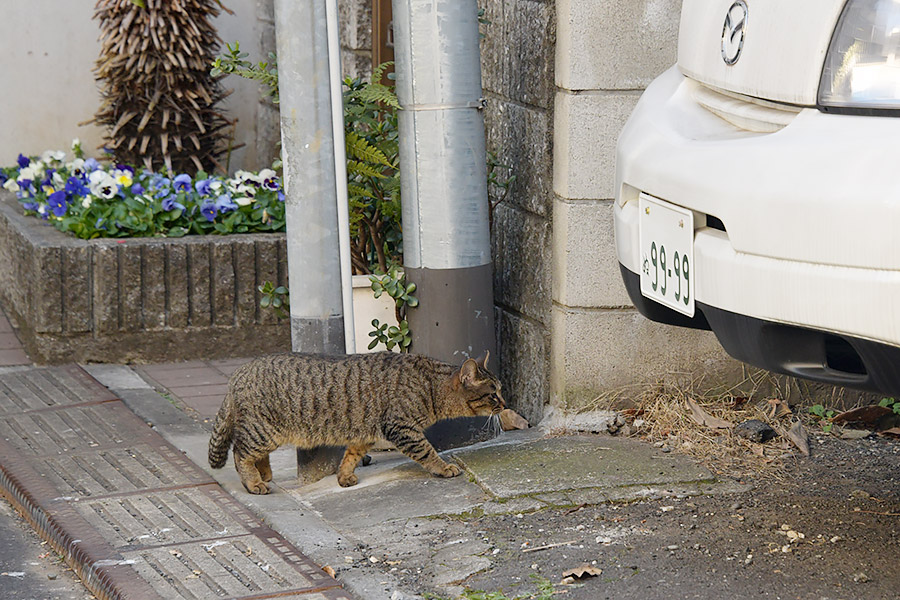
point(359, 148)
point(355, 167)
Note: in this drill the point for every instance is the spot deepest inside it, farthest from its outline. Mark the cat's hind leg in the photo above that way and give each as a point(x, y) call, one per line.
point(352, 455)
point(413, 444)
point(264, 468)
point(249, 473)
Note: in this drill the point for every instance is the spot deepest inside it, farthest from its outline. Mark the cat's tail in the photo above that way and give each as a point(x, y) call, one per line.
point(223, 430)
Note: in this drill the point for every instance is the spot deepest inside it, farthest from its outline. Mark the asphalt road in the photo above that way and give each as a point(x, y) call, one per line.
point(30, 570)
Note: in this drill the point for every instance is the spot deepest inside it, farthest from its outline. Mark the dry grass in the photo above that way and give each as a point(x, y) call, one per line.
point(662, 417)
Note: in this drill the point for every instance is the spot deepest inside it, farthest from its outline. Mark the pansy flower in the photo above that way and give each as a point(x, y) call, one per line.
point(208, 210)
point(123, 175)
point(182, 183)
point(75, 187)
point(57, 203)
point(23, 161)
point(204, 187)
point(103, 185)
point(224, 203)
point(169, 203)
point(137, 189)
point(91, 165)
point(30, 206)
point(269, 179)
point(11, 185)
point(50, 157)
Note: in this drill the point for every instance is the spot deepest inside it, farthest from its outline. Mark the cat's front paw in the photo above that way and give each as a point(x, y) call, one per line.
point(450, 471)
point(348, 481)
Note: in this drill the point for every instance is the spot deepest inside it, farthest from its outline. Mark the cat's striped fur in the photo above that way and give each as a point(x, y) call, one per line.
point(353, 401)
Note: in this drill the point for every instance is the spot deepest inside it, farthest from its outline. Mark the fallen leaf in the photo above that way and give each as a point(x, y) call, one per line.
point(778, 408)
point(864, 417)
point(797, 435)
point(329, 571)
point(510, 419)
point(892, 432)
point(582, 572)
point(704, 418)
point(738, 401)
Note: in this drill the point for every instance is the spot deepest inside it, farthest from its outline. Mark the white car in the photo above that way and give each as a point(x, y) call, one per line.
point(758, 187)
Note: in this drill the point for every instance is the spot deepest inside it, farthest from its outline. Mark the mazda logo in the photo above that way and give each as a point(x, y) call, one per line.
point(733, 32)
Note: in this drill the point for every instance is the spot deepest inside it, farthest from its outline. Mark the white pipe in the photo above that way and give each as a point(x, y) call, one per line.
point(340, 170)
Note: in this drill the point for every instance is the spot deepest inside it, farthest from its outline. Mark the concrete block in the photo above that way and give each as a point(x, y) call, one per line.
point(586, 127)
point(522, 139)
point(223, 279)
point(521, 251)
point(609, 45)
point(599, 352)
point(48, 306)
point(356, 63)
point(76, 289)
point(199, 286)
point(130, 284)
point(529, 38)
point(177, 286)
point(524, 364)
point(585, 267)
point(106, 288)
point(246, 303)
point(154, 288)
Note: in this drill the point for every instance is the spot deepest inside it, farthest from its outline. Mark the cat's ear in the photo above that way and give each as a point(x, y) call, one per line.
point(468, 373)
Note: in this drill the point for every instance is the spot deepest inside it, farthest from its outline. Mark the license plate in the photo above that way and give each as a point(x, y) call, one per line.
point(667, 254)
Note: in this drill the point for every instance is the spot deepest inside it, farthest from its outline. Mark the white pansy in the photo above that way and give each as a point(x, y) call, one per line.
point(246, 190)
point(27, 173)
point(86, 201)
point(37, 167)
point(58, 180)
point(53, 156)
point(103, 184)
point(76, 143)
point(42, 209)
point(76, 166)
point(11, 185)
point(243, 201)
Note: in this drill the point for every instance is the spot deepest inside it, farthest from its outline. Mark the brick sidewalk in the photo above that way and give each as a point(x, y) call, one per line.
point(199, 384)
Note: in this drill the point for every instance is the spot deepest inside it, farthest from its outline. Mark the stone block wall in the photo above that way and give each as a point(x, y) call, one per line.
point(517, 54)
point(138, 299)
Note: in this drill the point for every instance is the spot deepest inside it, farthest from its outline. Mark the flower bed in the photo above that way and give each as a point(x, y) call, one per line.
point(140, 299)
point(90, 199)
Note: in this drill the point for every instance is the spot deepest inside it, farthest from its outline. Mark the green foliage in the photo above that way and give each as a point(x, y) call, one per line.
point(823, 415)
point(394, 284)
point(891, 403)
point(278, 298)
point(234, 62)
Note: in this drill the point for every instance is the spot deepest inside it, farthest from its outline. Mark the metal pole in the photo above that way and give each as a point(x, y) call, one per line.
point(446, 241)
point(308, 151)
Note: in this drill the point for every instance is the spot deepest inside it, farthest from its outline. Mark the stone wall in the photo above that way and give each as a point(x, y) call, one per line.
point(517, 53)
point(138, 299)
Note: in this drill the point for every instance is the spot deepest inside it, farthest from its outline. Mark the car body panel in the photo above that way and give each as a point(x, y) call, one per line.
point(784, 47)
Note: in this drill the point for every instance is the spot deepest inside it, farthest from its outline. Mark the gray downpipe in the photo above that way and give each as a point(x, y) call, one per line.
point(308, 151)
point(446, 241)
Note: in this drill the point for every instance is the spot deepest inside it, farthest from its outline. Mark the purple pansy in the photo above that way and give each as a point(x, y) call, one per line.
point(182, 183)
point(225, 203)
point(209, 211)
point(169, 203)
point(57, 203)
point(91, 165)
point(30, 206)
point(204, 187)
point(137, 189)
point(23, 161)
point(75, 187)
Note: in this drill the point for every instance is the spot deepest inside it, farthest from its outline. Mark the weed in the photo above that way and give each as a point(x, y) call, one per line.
point(824, 416)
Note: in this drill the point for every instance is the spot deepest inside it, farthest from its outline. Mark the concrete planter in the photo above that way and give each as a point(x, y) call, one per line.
point(138, 300)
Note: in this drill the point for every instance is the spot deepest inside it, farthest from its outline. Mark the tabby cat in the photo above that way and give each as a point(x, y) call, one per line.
point(353, 401)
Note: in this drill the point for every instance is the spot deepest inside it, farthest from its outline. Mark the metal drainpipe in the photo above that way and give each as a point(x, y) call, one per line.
point(446, 241)
point(309, 137)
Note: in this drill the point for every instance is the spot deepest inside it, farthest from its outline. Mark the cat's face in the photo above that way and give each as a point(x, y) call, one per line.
point(482, 388)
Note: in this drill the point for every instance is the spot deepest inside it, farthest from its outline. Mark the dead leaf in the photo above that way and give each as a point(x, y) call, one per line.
point(864, 417)
point(329, 571)
point(704, 418)
point(738, 401)
point(510, 419)
point(892, 432)
point(778, 408)
point(798, 437)
point(582, 572)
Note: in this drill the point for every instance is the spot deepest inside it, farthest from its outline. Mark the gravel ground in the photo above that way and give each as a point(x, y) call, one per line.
point(827, 529)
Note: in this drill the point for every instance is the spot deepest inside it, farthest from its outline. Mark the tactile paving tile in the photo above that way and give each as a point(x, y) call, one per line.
point(75, 428)
point(234, 567)
point(36, 389)
point(168, 517)
point(127, 469)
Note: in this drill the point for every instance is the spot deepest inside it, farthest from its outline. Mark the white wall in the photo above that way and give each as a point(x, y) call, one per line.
point(47, 52)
